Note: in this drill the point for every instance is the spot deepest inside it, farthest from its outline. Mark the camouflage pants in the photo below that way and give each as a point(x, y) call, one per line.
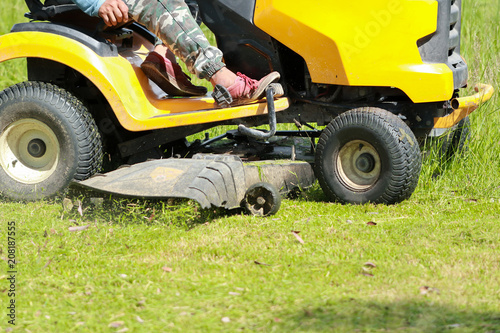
point(172, 22)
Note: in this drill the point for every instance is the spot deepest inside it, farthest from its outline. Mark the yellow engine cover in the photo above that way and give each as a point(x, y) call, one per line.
point(361, 43)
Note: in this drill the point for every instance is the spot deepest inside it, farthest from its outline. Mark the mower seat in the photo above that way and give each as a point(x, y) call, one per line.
point(58, 2)
point(49, 10)
point(67, 13)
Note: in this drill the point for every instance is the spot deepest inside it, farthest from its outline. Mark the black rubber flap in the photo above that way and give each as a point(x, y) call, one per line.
point(211, 180)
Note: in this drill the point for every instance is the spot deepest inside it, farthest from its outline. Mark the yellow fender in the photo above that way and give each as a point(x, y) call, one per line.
point(135, 103)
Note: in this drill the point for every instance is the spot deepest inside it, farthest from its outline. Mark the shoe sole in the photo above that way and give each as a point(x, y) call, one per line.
point(152, 72)
point(260, 92)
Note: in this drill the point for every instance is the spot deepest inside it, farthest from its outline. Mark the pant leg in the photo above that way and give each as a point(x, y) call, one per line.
point(172, 22)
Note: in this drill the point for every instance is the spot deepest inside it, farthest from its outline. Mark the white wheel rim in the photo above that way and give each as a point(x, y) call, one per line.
point(29, 151)
point(358, 165)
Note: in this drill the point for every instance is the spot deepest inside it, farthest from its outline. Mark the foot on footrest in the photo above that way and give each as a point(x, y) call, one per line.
point(278, 89)
point(222, 96)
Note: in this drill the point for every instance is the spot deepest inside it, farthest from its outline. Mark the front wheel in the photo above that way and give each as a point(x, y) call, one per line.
point(262, 199)
point(368, 155)
point(47, 139)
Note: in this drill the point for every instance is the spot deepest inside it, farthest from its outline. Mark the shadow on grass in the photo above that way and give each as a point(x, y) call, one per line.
point(351, 315)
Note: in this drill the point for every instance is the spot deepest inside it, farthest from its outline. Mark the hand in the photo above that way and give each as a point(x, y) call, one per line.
point(113, 12)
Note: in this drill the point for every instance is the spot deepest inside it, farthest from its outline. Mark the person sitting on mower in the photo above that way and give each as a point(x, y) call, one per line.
point(173, 23)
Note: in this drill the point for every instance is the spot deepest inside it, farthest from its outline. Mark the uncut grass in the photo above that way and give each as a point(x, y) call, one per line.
point(14, 71)
point(77, 277)
point(444, 237)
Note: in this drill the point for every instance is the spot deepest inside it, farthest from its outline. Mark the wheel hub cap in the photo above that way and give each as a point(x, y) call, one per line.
point(37, 148)
point(365, 163)
point(29, 151)
point(358, 165)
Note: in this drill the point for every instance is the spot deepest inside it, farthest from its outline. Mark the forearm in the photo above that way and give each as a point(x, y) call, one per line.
point(90, 7)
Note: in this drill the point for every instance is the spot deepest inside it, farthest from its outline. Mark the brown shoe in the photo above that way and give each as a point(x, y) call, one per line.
point(170, 77)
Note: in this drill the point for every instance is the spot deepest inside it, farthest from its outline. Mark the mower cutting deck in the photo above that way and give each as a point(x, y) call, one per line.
point(212, 180)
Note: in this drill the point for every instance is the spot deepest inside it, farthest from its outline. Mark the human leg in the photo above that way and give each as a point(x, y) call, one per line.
point(172, 22)
point(161, 67)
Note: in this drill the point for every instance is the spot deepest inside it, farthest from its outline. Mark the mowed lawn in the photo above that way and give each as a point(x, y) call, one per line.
point(429, 264)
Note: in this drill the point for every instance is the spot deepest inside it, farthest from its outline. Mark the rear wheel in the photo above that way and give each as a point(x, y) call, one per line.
point(368, 155)
point(47, 139)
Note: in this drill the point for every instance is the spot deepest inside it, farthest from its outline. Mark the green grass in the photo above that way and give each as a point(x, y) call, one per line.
point(14, 71)
point(154, 267)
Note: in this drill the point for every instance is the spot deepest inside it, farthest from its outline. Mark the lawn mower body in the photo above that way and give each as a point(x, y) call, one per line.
point(395, 64)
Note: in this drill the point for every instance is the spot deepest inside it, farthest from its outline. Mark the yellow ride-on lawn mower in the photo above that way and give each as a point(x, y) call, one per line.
point(380, 75)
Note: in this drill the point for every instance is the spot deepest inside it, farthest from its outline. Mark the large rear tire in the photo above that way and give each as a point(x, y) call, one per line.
point(47, 139)
point(368, 155)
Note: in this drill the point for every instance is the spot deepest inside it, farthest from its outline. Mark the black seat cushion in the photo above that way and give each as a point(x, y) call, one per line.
point(58, 2)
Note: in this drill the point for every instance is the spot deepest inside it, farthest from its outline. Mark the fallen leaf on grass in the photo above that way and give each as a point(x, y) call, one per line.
point(67, 205)
point(123, 330)
point(370, 264)
point(424, 290)
point(152, 216)
point(454, 326)
point(80, 228)
point(48, 263)
point(225, 319)
point(371, 223)
point(139, 319)
point(53, 231)
point(116, 324)
point(166, 269)
point(367, 274)
point(260, 263)
point(80, 209)
point(296, 234)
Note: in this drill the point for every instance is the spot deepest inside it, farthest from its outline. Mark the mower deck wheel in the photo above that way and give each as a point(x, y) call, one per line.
point(262, 199)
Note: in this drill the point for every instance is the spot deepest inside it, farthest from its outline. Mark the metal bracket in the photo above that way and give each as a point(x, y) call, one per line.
point(274, 89)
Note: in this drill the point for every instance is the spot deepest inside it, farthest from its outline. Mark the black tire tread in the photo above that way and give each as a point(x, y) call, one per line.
point(74, 111)
point(402, 145)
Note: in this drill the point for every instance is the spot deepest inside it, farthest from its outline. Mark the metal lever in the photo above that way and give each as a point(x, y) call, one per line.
point(274, 89)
